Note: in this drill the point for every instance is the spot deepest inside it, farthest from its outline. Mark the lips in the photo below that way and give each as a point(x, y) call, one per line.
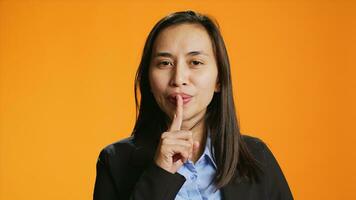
point(173, 98)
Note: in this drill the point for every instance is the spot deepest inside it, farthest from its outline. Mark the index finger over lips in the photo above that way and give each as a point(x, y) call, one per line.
point(178, 117)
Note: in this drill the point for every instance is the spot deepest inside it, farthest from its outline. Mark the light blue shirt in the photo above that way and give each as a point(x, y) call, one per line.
point(199, 177)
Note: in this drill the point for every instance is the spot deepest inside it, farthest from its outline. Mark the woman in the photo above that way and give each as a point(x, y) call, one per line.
point(186, 143)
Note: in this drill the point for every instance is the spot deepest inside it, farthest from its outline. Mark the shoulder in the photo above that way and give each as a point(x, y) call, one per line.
point(120, 145)
point(252, 141)
point(118, 149)
point(253, 144)
point(274, 179)
point(258, 148)
point(126, 152)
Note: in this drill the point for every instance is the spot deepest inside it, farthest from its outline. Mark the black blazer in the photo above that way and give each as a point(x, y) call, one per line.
point(125, 170)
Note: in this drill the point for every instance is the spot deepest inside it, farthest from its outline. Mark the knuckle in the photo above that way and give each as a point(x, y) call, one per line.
point(187, 144)
point(189, 148)
point(184, 133)
point(164, 135)
point(188, 133)
point(166, 141)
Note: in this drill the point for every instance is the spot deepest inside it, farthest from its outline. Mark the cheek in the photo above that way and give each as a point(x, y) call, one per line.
point(207, 81)
point(206, 86)
point(158, 84)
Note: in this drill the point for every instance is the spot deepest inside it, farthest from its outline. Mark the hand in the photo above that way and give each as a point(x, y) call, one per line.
point(176, 146)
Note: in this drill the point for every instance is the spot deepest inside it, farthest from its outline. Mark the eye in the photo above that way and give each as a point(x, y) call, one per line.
point(196, 62)
point(164, 63)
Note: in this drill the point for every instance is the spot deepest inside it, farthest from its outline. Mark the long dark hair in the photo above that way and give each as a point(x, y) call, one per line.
point(230, 152)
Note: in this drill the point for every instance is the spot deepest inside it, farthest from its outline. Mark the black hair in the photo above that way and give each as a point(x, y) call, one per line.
point(230, 151)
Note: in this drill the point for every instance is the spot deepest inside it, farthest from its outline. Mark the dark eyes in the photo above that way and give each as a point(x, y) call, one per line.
point(166, 63)
point(195, 62)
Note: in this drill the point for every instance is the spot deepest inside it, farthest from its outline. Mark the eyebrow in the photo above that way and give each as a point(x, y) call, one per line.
point(191, 53)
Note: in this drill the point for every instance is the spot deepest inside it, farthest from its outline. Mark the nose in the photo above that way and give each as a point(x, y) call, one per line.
point(179, 76)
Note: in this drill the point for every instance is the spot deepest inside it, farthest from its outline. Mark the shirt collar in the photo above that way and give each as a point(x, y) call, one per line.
point(207, 151)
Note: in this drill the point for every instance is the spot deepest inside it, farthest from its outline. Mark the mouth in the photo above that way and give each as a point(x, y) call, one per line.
point(173, 98)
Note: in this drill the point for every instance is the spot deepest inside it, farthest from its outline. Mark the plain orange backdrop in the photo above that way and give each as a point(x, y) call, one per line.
point(67, 72)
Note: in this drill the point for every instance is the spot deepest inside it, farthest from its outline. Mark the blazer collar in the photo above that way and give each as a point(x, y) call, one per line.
point(143, 155)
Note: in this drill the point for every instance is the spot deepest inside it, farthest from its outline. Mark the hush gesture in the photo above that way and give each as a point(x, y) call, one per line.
point(176, 146)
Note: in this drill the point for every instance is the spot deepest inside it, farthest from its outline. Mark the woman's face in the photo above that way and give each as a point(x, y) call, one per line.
point(183, 63)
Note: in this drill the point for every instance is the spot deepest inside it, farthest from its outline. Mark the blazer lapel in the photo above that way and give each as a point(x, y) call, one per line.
point(142, 156)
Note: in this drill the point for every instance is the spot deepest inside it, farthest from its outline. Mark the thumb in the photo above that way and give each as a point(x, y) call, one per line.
point(178, 164)
point(196, 145)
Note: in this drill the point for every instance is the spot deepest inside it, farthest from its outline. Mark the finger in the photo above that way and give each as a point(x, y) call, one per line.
point(176, 157)
point(186, 143)
point(180, 157)
point(178, 117)
point(182, 134)
point(195, 149)
point(183, 151)
point(178, 163)
point(196, 145)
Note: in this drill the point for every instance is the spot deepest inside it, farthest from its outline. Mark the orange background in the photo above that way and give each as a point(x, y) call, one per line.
point(67, 71)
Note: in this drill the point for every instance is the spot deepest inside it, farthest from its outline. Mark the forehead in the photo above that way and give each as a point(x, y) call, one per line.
point(183, 38)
